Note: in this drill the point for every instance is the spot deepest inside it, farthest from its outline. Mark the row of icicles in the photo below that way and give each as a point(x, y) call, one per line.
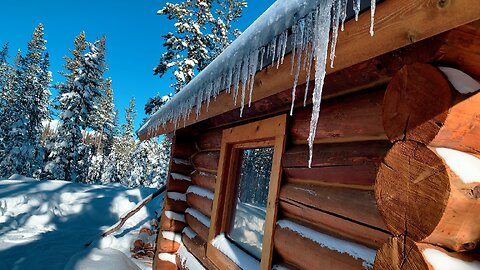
point(330, 15)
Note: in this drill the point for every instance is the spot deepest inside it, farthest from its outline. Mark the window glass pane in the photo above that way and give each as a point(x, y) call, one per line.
point(251, 194)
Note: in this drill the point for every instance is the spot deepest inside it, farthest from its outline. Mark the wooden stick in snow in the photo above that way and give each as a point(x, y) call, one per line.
point(130, 213)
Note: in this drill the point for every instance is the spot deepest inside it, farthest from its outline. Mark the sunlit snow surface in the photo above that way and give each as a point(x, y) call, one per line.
point(43, 224)
point(267, 38)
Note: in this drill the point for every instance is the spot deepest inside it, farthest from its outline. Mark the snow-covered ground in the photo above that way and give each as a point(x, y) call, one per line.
point(46, 224)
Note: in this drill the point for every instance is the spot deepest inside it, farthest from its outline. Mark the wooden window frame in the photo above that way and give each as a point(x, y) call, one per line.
point(270, 132)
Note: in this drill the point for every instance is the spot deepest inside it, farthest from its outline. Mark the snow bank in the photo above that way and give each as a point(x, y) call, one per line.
point(238, 256)
point(441, 261)
point(105, 259)
point(354, 250)
point(465, 165)
point(45, 223)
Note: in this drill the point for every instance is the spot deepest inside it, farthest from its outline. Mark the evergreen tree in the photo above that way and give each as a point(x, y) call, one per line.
point(203, 30)
point(78, 96)
point(21, 151)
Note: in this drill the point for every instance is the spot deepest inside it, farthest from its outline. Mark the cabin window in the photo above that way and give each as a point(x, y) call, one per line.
point(246, 192)
point(250, 199)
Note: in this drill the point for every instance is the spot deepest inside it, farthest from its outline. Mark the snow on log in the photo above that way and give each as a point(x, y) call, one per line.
point(206, 161)
point(187, 260)
point(198, 222)
point(420, 195)
point(197, 247)
point(306, 248)
point(181, 168)
point(345, 228)
point(166, 261)
point(353, 117)
point(175, 203)
point(200, 199)
point(400, 253)
point(204, 179)
point(178, 183)
point(210, 140)
point(461, 81)
point(358, 205)
point(420, 105)
point(169, 242)
point(172, 221)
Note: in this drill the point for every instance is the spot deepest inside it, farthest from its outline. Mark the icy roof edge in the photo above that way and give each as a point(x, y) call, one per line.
point(278, 18)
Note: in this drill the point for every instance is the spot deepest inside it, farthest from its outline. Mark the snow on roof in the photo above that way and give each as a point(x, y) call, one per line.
point(234, 69)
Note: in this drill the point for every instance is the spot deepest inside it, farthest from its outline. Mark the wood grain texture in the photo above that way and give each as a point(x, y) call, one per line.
point(354, 204)
point(210, 140)
point(170, 225)
point(167, 245)
point(418, 195)
point(206, 161)
point(309, 255)
point(403, 253)
point(204, 179)
point(202, 204)
point(355, 117)
point(200, 229)
point(198, 248)
point(333, 224)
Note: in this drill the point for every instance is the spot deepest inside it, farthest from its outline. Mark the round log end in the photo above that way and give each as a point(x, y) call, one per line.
point(412, 190)
point(416, 103)
point(399, 253)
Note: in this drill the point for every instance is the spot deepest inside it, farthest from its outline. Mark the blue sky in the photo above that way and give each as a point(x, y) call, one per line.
point(132, 28)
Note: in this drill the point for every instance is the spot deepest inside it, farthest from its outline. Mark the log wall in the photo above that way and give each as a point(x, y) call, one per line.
point(375, 139)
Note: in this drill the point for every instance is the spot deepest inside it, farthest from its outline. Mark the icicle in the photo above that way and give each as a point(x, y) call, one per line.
point(310, 55)
point(244, 79)
point(229, 80)
point(335, 24)
point(294, 46)
point(236, 81)
point(284, 45)
point(321, 51)
point(356, 8)
point(262, 54)
point(273, 48)
point(344, 13)
point(252, 70)
point(372, 16)
point(300, 47)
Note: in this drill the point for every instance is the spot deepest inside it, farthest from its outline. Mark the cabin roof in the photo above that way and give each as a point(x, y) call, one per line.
point(194, 104)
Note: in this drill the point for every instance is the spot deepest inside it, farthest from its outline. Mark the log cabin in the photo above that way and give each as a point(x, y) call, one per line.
point(386, 176)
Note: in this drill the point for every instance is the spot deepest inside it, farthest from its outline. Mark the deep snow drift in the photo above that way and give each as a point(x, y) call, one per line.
point(43, 224)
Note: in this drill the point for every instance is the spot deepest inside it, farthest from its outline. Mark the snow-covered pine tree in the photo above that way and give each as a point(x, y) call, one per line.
point(22, 151)
point(203, 30)
point(125, 144)
point(5, 68)
point(78, 95)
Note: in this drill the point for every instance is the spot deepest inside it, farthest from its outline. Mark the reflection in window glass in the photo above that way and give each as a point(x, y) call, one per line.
point(251, 194)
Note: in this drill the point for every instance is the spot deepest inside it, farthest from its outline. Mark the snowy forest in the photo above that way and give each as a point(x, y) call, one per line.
point(74, 135)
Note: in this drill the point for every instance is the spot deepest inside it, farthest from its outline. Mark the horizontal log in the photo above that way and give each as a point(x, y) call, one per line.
point(354, 117)
point(355, 176)
point(198, 248)
point(181, 168)
point(345, 228)
point(357, 205)
point(420, 106)
point(206, 161)
point(204, 179)
point(403, 253)
point(210, 140)
point(173, 205)
point(202, 204)
point(170, 225)
point(167, 245)
point(183, 147)
point(305, 253)
point(196, 226)
point(336, 154)
point(165, 265)
point(177, 185)
point(419, 195)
